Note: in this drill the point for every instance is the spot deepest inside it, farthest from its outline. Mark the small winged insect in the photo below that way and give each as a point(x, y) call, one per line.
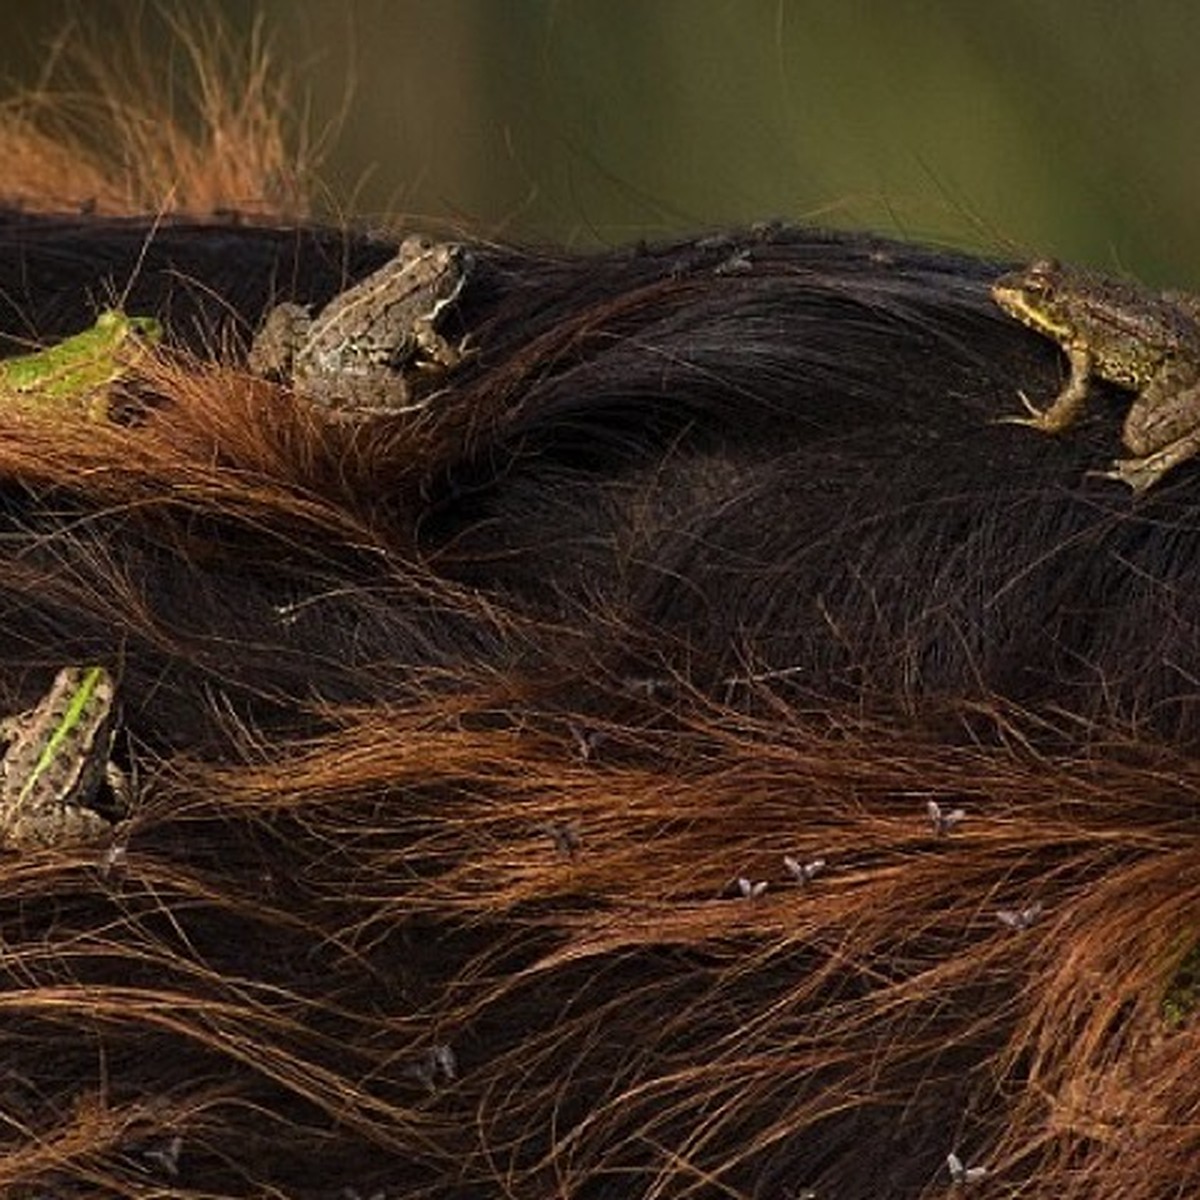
point(738, 263)
point(941, 820)
point(113, 860)
point(438, 1061)
point(564, 835)
point(751, 891)
point(166, 1156)
point(587, 741)
point(961, 1174)
point(803, 872)
point(649, 687)
point(1019, 918)
point(444, 1059)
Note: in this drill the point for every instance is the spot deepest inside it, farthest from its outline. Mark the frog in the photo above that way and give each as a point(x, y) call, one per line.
point(59, 754)
point(76, 374)
point(357, 357)
point(1123, 334)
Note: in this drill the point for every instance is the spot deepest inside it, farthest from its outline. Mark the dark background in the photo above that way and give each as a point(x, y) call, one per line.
point(1014, 127)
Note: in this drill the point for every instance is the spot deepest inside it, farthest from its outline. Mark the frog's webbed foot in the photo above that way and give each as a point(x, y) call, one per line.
point(1143, 473)
point(1131, 471)
point(1037, 418)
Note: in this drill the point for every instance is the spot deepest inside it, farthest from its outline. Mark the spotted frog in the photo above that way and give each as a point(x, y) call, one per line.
point(358, 356)
point(59, 754)
point(1123, 334)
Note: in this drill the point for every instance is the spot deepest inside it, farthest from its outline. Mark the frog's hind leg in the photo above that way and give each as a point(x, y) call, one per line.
point(1143, 473)
point(273, 352)
point(66, 825)
point(1067, 405)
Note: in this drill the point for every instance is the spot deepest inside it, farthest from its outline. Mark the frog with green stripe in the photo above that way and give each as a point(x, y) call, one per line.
point(59, 755)
point(77, 373)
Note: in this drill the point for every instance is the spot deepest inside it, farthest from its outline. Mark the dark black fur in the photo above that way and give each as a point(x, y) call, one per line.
point(770, 454)
point(753, 466)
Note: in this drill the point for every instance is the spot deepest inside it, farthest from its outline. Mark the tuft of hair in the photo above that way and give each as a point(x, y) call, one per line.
point(118, 125)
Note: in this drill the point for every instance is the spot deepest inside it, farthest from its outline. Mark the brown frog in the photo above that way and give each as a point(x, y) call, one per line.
point(1123, 334)
point(358, 355)
point(59, 754)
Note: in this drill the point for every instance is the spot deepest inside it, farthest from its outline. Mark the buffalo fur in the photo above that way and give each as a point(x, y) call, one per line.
point(464, 740)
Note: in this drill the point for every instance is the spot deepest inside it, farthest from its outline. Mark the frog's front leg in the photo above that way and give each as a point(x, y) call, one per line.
point(434, 348)
point(119, 786)
point(99, 405)
point(1069, 402)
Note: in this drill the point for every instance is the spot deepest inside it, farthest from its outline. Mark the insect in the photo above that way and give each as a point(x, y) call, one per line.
point(587, 741)
point(166, 1156)
point(751, 891)
point(438, 1061)
point(564, 835)
point(941, 820)
point(962, 1174)
point(803, 872)
point(1019, 918)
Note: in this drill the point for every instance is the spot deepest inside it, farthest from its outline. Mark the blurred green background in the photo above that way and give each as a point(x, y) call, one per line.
point(1015, 127)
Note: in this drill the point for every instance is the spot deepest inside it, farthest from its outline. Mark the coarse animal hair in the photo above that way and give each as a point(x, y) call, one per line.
point(455, 736)
point(701, 753)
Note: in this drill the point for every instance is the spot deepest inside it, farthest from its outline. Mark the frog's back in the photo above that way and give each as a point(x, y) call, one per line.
point(1136, 339)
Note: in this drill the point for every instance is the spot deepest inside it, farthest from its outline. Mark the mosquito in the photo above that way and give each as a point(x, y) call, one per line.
point(942, 821)
point(564, 835)
point(1019, 918)
point(962, 1174)
point(751, 891)
point(166, 1156)
point(438, 1060)
point(803, 872)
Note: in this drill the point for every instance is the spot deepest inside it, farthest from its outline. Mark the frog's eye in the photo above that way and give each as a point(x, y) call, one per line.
point(1045, 267)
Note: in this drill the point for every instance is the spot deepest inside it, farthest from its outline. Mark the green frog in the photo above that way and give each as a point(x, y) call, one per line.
point(1181, 998)
point(59, 753)
point(357, 355)
point(78, 372)
point(1123, 334)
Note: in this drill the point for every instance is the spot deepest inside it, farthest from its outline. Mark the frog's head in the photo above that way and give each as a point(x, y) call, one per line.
point(148, 329)
point(116, 326)
point(1039, 296)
